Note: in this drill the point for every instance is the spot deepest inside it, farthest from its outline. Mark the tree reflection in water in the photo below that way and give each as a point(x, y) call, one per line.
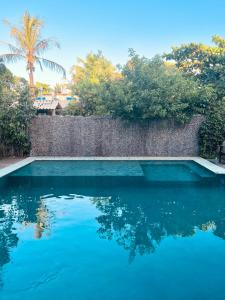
point(139, 221)
point(20, 208)
point(136, 218)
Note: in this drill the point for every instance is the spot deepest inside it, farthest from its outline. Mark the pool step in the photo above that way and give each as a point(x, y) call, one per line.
point(174, 171)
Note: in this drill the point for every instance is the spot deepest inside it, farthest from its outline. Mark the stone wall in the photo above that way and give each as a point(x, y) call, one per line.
point(104, 136)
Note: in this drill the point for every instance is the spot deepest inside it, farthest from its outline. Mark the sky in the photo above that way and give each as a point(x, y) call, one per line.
point(113, 26)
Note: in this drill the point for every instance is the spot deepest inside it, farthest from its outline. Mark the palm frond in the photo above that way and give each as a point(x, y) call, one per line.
point(11, 57)
point(12, 48)
point(16, 34)
point(38, 61)
point(45, 44)
point(28, 35)
point(53, 66)
point(31, 29)
point(7, 22)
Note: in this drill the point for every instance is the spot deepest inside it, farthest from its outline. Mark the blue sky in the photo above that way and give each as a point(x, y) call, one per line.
point(113, 26)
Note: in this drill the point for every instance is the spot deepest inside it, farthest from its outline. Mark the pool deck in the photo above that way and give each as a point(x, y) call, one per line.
point(12, 164)
point(5, 162)
point(222, 166)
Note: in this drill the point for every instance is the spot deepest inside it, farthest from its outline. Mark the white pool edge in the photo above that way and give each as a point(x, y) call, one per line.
point(7, 170)
point(201, 161)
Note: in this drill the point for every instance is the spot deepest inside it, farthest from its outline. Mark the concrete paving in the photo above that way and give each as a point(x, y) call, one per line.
point(5, 162)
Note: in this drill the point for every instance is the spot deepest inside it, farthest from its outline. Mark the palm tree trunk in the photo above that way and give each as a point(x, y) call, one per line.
point(31, 79)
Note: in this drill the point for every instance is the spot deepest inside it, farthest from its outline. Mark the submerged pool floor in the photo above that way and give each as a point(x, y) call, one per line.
point(113, 230)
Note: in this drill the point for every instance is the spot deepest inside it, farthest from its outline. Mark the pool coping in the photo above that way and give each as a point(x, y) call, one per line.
point(201, 161)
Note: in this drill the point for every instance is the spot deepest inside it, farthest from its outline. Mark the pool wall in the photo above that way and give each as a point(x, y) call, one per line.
point(203, 162)
point(104, 136)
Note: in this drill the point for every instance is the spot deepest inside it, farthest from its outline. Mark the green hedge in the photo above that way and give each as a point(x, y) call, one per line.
point(212, 130)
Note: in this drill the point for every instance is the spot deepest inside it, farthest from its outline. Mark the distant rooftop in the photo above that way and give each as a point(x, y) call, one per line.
point(47, 104)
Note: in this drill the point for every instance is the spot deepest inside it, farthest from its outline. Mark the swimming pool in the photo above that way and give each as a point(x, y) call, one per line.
point(112, 230)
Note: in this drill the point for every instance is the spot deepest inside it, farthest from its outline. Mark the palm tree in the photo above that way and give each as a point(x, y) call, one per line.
point(30, 46)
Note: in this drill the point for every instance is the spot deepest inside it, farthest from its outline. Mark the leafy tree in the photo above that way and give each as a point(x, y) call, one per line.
point(6, 79)
point(58, 88)
point(147, 89)
point(30, 46)
point(16, 112)
point(90, 99)
point(19, 82)
point(207, 63)
point(89, 77)
point(151, 89)
point(74, 108)
point(42, 88)
point(95, 68)
point(62, 88)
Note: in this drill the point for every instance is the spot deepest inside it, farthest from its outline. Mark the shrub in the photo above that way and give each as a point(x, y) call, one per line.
point(91, 100)
point(148, 89)
point(16, 112)
point(212, 130)
point(151, 89)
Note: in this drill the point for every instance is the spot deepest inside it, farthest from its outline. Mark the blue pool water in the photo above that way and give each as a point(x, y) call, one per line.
point(112, 230)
